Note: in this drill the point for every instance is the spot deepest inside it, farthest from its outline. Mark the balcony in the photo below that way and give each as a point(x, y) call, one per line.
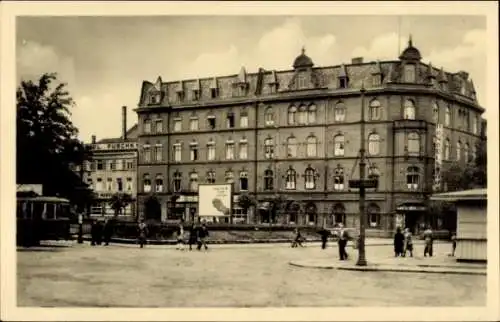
point(405, 124)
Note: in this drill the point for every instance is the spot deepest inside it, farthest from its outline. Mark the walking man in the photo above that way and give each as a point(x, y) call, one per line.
point(180, 237)
point(428, 241)
point(143, 232)
point(202, 236)
point(107, 231)
point(343, 236)
point(193, 236)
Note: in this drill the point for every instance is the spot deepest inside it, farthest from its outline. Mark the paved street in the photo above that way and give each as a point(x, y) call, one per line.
point(227, 275)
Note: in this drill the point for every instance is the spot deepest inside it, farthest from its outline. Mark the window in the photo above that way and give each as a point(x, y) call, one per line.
point(473, 153)
point(409, 73)
point(343, 82)
point(110, 184)
point(268, 180)
point(177, 181)
point(159, 183)
point(291, 179)
point(373, 212)
point(375, 110)
point(409, 110)
point(447, 149)
point(338, 179)
point(112, 164)
point(268, 148)
point(196, 95)
point(193, 181)
point(146, 183)
point(147, 153)
point(210, 177)
point(269, 117)
point(412, 178)
point(129, 184)
point(311, 116)
point(214, 92)
point(230, 121)
point(211, 150)
point(130, 164)
point(459, 150)
point(211, 122)
point(302, 119)
point(193, 151)
point(466, 152)
point(119, 184)
point(373, 144)
point(100, 165)
point(229, 150)
point(159, 126)
point(244, 119)
point(311, 148)
point(119, 164)
point(474, 124)
point(435, 112)
point(338, 145)
point(310, 178)
point(243, 150)
point(177, 125)
point(291, 146)
point(339, 112)
point(339, 214)
point(193, 124)
point(292, 115)
point(154, 98)
point(158, 152)
point(447, 114)
point(413, 143)
point(229, 177)
point(177, 152)
point(98, 185)
point(147, 126)
point(243, 181)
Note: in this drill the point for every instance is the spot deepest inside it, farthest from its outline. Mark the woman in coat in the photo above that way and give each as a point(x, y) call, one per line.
point(399, 240)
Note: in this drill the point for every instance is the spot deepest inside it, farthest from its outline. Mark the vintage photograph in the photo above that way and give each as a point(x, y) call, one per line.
point(251, 161)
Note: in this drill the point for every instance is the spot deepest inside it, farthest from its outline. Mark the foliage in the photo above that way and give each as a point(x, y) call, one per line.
point(278, 205)
point(47, 143)
point(245, 201)
point(119, 201)
point(152, 208)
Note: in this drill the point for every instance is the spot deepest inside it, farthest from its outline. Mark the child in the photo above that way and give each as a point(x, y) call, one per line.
point(408, 242)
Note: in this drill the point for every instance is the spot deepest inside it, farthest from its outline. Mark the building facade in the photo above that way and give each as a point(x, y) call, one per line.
point(112, 170)
point(297, 133)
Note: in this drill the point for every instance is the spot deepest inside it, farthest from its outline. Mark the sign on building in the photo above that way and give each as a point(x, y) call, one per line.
point(438, 157)
point(214, 200)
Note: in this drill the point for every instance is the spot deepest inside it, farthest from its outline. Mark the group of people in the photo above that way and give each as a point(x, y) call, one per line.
point(101, 232)
point(197, 236)
point(342, 237)
point(403, 243)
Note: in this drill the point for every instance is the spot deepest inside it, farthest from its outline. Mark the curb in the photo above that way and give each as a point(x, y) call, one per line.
point(386, 268)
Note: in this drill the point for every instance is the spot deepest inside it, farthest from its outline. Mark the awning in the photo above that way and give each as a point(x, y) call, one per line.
point(265, 205)
point(465, 195)
point(411, 206)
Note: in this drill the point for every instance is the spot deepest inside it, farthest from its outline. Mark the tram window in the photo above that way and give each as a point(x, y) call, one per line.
point(20, 209)
point(37, 210)
point(51, 211)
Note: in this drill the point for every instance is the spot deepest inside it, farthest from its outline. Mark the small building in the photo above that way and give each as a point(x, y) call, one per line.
point(471, 236)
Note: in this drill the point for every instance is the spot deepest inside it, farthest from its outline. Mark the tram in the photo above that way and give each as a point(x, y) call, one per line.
point(42, 218)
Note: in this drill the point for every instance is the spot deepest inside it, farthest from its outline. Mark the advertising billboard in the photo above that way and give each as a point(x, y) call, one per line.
point(438, 157)
point(214, 200)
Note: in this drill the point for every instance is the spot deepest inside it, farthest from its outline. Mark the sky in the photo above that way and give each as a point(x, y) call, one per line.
point(105, 59)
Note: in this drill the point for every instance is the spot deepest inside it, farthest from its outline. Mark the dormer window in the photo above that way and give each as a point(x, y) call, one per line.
point(343, 82)
point(343, 77)
point(196, 94)
point(409, 73)
point(155, 98)
point(214, 93)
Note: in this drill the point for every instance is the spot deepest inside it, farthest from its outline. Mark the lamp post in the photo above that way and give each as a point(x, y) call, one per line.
point(362, 165)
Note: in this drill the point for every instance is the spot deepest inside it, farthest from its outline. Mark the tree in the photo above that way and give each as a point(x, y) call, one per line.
point(119, 201)
point(278, 204)
point(246, 202)
point(47, 143)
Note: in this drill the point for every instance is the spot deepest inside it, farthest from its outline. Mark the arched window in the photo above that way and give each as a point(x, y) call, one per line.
point(459, 150)
point(193, 181)
point(211, 150)
point(158, 151)
point(373, 144)
point(373, 212)
point(447, 116)
point(147, 152)
point(269, 148)
point(147, 126)
point(159, 183)
point(338, 145)
point(177, 181)
point(338, 179)
point(413, 143)
point(243, 181)
point(412, 178)
point(409, 110)
point(269, 116)
point(339, 112)
point(375, 110)
point(311, 149)
point(466, 152)
point(302, 114)
point(210, 177)
point(291, 146)
point(338, 214)
point(311, 117)
point(409, 73)
point(312, 212)
point(310, 178)
point(146, 183)
point(268, 180)
point(435, 112)
point(473, 153)
point(292, 115)
point(229, 177)
point(291, 179)
point(447, 149)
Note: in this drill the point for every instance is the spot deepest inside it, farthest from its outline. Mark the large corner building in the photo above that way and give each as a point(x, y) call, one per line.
point(297, 133)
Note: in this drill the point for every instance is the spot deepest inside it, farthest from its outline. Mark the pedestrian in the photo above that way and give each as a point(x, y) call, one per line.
point(408, 242)
point(202, 236)
point(428, 240)
point(399, 239)
point(298, 239)
point(180, 237)
point(93, 233)
point(99, 229)
point(143, 233)
point(193, 236)
point(324, 233)
point(453, 243)
point(107, 231)
point(343, 236)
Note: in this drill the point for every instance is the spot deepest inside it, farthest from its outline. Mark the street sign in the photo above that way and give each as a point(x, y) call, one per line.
point(367, 183)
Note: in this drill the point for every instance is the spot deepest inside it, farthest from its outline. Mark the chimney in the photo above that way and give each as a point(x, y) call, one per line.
point(124, 122)
point(93, 139)
point(357, 60)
